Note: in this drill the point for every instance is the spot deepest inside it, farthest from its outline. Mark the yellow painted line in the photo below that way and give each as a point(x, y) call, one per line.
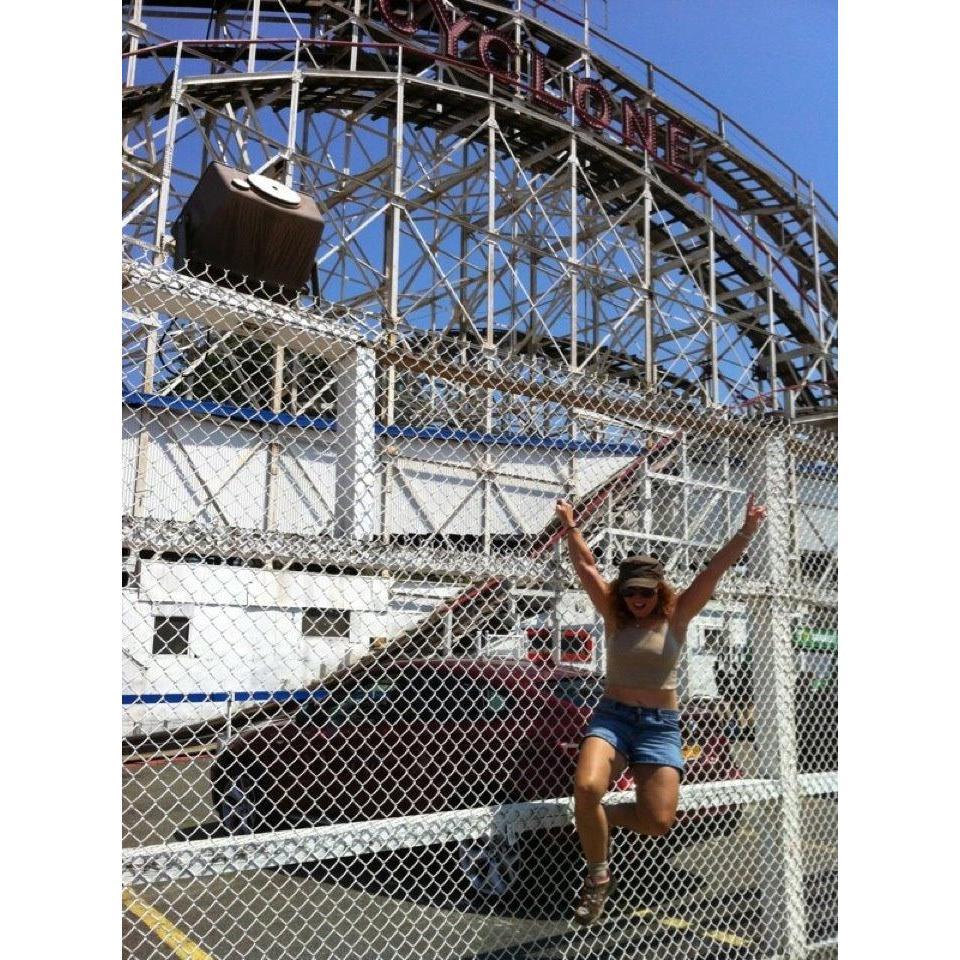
point(678, 923)
point(182, 946)
point(729, 938)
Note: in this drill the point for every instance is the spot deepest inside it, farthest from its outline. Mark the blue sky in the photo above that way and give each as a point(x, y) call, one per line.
point(770, 64)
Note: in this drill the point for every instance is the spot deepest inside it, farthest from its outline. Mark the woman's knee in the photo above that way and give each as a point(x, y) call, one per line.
point(588, 792)
point(657, 823)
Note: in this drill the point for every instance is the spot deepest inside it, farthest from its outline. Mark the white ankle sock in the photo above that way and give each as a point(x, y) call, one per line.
point(599, 872)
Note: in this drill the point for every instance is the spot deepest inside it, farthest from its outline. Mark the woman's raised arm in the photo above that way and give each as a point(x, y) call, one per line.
point(698, 594)
point(598, 589)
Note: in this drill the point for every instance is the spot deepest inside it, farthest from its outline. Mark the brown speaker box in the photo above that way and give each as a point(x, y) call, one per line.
point(237, 225)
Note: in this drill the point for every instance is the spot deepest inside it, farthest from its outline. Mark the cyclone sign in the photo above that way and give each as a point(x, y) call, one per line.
point(591, 103)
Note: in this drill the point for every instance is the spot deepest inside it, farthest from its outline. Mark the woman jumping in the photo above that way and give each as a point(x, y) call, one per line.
point(636, 723)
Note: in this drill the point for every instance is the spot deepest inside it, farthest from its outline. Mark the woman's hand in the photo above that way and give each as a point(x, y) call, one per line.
point(565, 513)
point(756, 514)
point(698, 594)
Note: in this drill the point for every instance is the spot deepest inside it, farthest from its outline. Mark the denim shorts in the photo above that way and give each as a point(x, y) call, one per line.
point(641, 734)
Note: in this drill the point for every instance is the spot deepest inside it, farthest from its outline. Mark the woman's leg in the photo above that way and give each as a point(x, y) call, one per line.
point(598, 767)
point(655, 809)
point(600, 764)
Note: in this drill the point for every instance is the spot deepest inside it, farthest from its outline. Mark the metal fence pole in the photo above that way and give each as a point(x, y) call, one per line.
point(357, 496)
point(228, 729)
point(782, 895)
point(275, 450)
point(557, 598)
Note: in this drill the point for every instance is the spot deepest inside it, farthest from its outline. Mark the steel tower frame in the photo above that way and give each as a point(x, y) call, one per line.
point(455, 206)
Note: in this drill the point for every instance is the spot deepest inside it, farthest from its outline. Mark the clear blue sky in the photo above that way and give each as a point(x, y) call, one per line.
point(769, 64)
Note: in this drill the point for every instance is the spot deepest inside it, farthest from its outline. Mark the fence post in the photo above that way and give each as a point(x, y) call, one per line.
point(782, 897)
point(228, 729)
point(357, 502)
point(557, 598)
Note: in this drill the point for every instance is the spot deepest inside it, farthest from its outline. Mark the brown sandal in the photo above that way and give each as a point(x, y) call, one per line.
point(592, 900)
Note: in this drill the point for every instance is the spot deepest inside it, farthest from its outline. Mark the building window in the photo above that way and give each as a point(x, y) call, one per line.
point(171, 635)
point(321, 622)
point(715, 640)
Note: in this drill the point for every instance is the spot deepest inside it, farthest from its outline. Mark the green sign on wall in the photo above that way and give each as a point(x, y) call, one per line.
point(807, 639)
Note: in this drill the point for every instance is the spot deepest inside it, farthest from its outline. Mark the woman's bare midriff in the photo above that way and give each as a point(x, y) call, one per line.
point(663, 699)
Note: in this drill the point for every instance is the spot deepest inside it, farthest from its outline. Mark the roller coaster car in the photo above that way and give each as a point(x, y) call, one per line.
point(249, 230)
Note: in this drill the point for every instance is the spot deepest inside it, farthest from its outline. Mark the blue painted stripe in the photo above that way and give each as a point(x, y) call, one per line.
point(818, 469)
point(225, 411)
point(510, 440)
point(229, 411)
point(239, 696)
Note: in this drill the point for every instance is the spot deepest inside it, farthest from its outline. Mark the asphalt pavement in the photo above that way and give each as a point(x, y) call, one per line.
point(703, 900)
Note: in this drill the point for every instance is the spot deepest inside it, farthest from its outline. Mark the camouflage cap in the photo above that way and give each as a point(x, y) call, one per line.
point(640, 571)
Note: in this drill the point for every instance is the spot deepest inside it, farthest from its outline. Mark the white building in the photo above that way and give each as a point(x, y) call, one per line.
point(366, 529)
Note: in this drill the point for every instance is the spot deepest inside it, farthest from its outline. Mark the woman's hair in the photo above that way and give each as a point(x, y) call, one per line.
point(666, 602)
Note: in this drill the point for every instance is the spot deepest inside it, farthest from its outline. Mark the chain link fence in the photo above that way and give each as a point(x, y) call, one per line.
point(356, 661)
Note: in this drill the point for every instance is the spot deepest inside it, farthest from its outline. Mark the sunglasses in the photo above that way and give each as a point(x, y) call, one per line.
point(644, 593)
